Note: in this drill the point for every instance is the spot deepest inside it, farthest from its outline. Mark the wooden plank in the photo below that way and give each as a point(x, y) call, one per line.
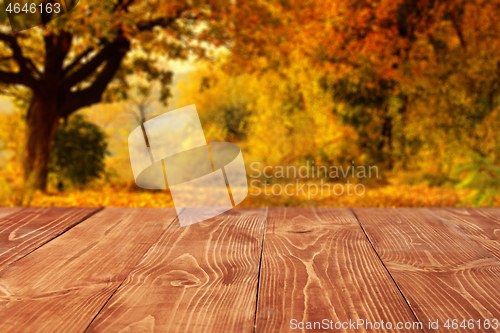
point(318, 265)
point(4, 211)
point(441, 271)
point(27, 229)
point(202, 277)
point(63, 285)
point(480, 224)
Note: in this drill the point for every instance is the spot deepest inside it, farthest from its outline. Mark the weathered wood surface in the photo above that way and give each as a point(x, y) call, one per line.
point(480, 224)
point(442, 272)
point(24, 230)
point(137, 270)
point(194, 279)
point(63, 284)
point(4, 211)
point(317, 264)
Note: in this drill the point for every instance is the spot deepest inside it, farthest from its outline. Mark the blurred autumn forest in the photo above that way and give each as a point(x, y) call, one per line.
point(409, 86)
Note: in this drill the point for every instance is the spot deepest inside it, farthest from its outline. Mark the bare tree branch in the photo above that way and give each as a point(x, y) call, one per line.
point(458, 30)
point(27, 68)
point(76, 61)
point(122, 5)
point(104, 54)
point(93, 94)
point(11, 78)
point(162, 21)
point(91, 66)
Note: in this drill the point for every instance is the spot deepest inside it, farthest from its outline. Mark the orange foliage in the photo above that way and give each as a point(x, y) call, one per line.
point(387, 196)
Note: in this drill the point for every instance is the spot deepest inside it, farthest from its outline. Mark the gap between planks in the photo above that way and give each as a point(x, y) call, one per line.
point(6, 262)
point(260, 271)
point(443, 272)
point(121, 283)
point(201, 273)
point(98, 209)
point(94, 245)
point(383, 264)
point(316, 264)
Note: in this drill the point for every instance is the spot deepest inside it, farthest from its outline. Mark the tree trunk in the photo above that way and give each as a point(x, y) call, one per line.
point(387, 142)
point(41, 124)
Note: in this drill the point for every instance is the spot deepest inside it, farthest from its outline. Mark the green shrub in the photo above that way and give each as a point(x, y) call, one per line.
point(482, 175)
point(78, 152)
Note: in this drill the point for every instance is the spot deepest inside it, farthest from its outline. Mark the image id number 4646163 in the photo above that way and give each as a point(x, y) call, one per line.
point(34, 8)
point(471, 324)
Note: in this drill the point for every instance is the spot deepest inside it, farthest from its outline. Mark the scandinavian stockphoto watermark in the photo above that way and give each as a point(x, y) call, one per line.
point(365, 324)
point(354, 325)
point(205, 179)
point(309, 180)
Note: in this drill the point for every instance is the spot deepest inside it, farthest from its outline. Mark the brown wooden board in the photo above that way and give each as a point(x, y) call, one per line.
point(25, 230)
point(4, 211)
point(443, 273)
point(199, 278)
point(63, 285)
point(480, 224)
point(317, 265)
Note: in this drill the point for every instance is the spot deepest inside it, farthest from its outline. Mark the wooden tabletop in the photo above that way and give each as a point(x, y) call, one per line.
point(263, 270)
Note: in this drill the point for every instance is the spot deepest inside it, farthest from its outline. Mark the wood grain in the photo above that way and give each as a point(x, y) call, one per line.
point(24, 230)
point(317, 264)
point(63, 285)
point(4, 211)
point(202, 277)
point(441, 271)
point(480, 224)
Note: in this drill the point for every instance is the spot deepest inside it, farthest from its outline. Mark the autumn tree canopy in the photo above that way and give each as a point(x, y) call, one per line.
point(86, 55)
point(410, 76)
point(415, 79)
